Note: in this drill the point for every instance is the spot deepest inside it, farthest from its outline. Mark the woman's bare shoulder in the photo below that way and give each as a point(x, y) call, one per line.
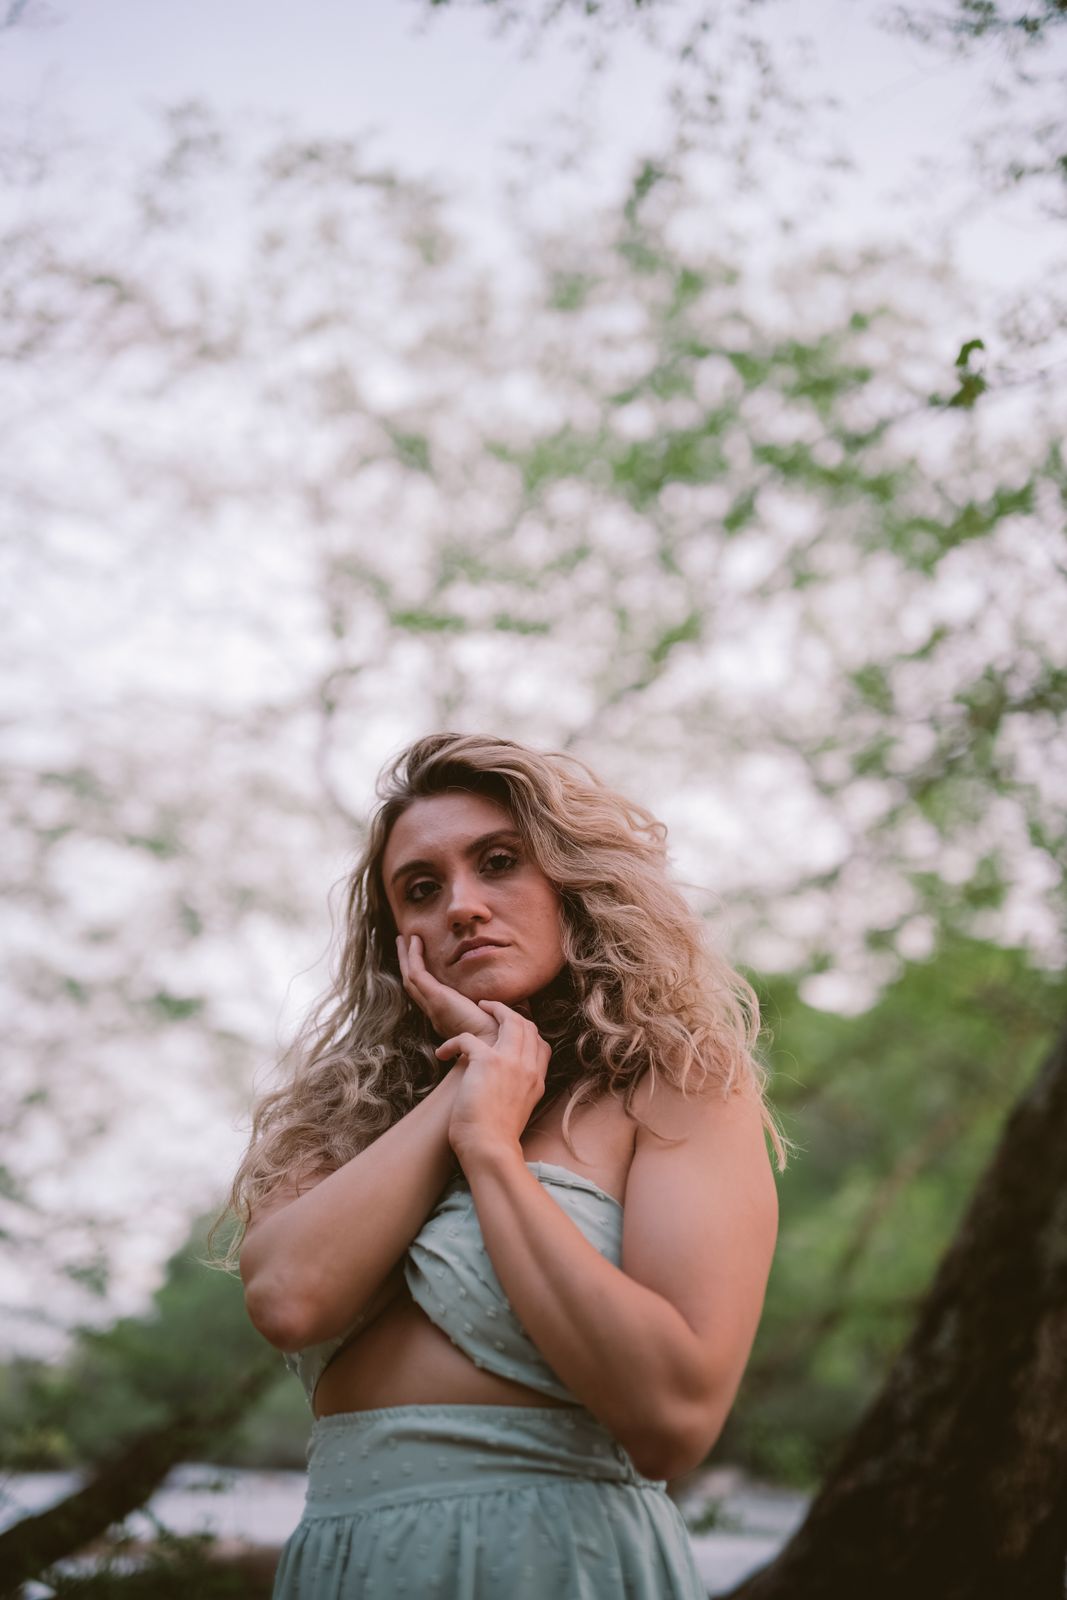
point(667, 1111)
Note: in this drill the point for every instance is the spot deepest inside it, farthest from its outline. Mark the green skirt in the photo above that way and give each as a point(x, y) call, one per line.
point(479, 1502)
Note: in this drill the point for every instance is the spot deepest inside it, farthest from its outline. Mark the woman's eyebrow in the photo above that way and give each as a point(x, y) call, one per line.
point(511, 834)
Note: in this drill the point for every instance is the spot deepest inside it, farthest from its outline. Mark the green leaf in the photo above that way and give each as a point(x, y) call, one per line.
point(741, 512)
point(688, 286)
point(966, 351)
point(428, 622)
point(683, 633)
point(92, 1275)
point(968, 392)
point(164, 845)
point(569, 291)
point(503, 622)
point(412, 449)
point(872, 682)
point(176, 1008)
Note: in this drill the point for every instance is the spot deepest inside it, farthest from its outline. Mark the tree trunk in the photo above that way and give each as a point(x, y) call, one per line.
point(953, 1486)
point(124, 1483)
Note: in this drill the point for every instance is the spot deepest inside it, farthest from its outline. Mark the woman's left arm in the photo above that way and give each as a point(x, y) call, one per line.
point(656, 1350)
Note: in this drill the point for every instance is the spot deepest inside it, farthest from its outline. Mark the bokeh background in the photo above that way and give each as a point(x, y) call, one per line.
point(682, 385)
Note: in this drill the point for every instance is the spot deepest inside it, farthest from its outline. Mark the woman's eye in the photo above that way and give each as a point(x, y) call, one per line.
point(499, 861)
point(501, 855)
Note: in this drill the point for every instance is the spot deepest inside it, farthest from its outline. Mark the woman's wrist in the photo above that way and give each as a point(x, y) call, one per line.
point(450, 1081)
point(475, 1155)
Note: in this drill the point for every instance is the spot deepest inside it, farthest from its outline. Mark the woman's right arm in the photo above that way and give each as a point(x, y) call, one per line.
point(311, 1264)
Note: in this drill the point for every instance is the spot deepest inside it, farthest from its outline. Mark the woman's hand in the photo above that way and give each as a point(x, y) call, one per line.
point(448, 1010)
point(503, 1082)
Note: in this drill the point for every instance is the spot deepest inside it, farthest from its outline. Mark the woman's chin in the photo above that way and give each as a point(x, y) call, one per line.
point(510, 991)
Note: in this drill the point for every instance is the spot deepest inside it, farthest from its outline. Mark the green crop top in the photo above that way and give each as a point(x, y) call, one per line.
point(449, 1274)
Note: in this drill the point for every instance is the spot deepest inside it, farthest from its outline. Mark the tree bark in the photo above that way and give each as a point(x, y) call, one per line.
point(953, 1486)
point(125, 1482)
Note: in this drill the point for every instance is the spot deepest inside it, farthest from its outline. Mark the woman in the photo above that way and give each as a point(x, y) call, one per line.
point(512, 1219)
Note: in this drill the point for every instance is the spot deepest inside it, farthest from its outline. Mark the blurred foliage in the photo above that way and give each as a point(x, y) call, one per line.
point(968, 21)
point(897, 1112)
point(176, 1567)
point(274, 1432)
point(129, 1378)
point(1024, 144)
point(596, 16)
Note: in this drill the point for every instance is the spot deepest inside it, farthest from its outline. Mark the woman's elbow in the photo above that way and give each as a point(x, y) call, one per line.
point(680, 1446)
point(276, 1314)
point(694, 1441)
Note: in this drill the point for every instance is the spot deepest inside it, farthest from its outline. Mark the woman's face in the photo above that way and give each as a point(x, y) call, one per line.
point(455, 870)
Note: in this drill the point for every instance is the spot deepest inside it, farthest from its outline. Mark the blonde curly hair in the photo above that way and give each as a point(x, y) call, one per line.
point(642, 990)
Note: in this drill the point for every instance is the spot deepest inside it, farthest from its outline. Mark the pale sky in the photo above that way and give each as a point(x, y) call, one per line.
point(445, 95)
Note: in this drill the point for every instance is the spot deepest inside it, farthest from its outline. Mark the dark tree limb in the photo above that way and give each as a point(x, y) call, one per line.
point(953, 1486)
point(123, 1483)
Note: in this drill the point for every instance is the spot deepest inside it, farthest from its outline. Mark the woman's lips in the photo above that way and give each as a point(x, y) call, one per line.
point(479, 950)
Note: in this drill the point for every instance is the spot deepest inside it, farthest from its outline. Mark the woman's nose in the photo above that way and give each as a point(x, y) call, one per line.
point(467, 900)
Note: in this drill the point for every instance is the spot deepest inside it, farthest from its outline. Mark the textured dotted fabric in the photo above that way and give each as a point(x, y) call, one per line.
point(449, 1274)
point(480, 1502)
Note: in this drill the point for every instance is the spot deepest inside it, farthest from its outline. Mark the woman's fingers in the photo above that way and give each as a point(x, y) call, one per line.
point(514, 1029)
point(416, 965)
point(403, 954)
point(417, 981)
point(517, 1025)
point(503, 1014)
point(520, 1033)
point(462, 1044)
point(420, 973)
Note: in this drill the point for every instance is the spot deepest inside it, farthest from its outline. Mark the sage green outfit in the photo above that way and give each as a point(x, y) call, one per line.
point(479, 1502)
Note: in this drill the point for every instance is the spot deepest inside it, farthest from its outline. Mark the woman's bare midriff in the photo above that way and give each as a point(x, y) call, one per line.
point(403, 1358)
